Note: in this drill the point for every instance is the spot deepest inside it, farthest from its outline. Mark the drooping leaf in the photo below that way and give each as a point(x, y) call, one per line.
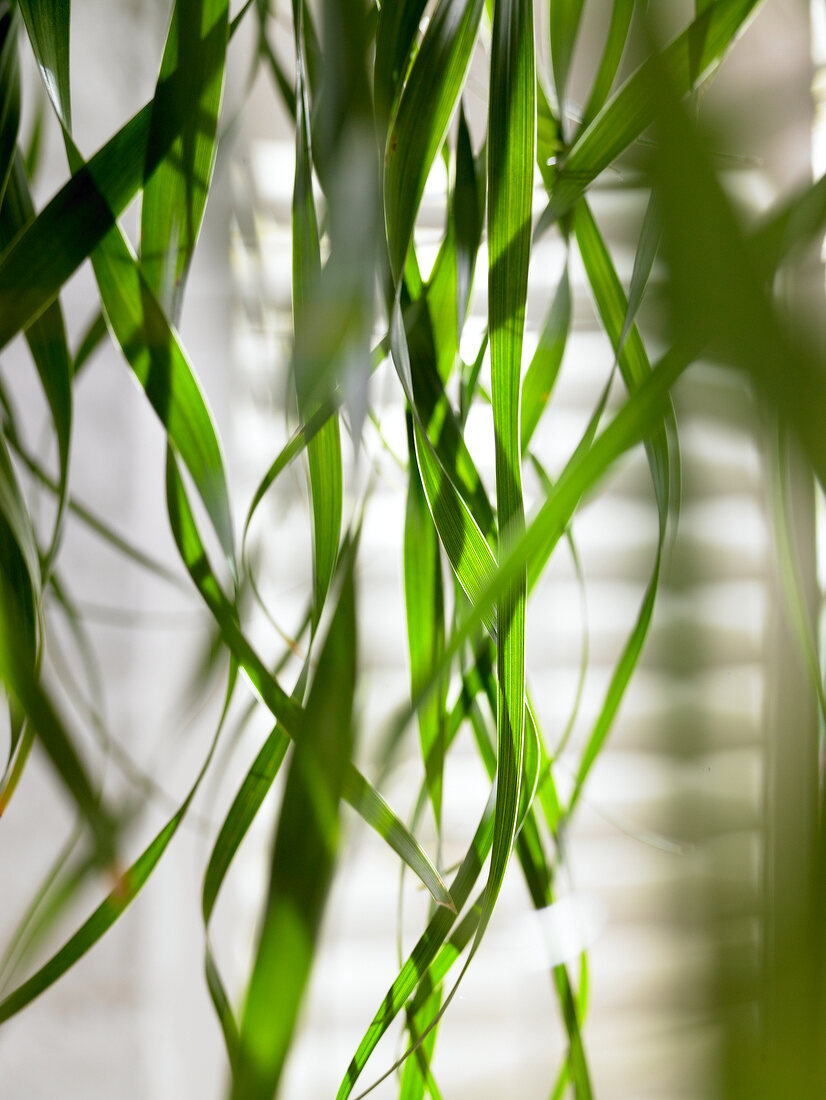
point(324, 447)
point(91, 340)
point(364, 798)
point(565, 17)
point(124, 892)
point(547, 359)
point(47, 23)
point(51, 248)
point(621, 14)
point(424, 603)
point(136, 319)
point(175, 194)
point(20, 676)
point(688, 60)
point(425, 108)
point(46, 338)
point(396, 33)
point(468, 216)
point(9, 93)
point(303, 859)
point(511, 128)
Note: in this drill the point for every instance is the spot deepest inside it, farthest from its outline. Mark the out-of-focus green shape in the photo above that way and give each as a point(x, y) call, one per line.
point(720, 303)
point(19, 673)
point(175, 193)
point(303, 859)
point(127, 887)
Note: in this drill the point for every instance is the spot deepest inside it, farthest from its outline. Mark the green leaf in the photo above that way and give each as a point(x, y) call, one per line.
point(470, 555)
point(303, 860)
point(717, 290)
point(290, 451)
point(619, 681)
point(176, 191)
point(468, 216)
point(246, 804)
point(616, 312)
point(358, 791)
point(159, 362)
point(425, 109)
point(135, 317)
point(47, 23)
point(9, 94)
point(688, 60)
point(424, 602)
point(91, 340)
point(642, 412)
point(51, 248)
point(621, 15)
point(416, 364)
point(20, 676)
point(511, 129)
point(324, 447)
point(565, 17)
point(126, 889)
point(543, 369)
point(425, 951)
point(22, 594)
point(47, 342)
point(396, 33)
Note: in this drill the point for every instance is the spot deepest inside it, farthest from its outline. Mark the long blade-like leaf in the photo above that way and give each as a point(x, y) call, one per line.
point(511, 136)
point(358, 791)
point(688, 60)
point(303, 859)
point(176, 191)
point(426, 106)
point(125, 891)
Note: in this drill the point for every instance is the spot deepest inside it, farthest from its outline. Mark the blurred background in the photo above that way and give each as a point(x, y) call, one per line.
point(686, 871)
